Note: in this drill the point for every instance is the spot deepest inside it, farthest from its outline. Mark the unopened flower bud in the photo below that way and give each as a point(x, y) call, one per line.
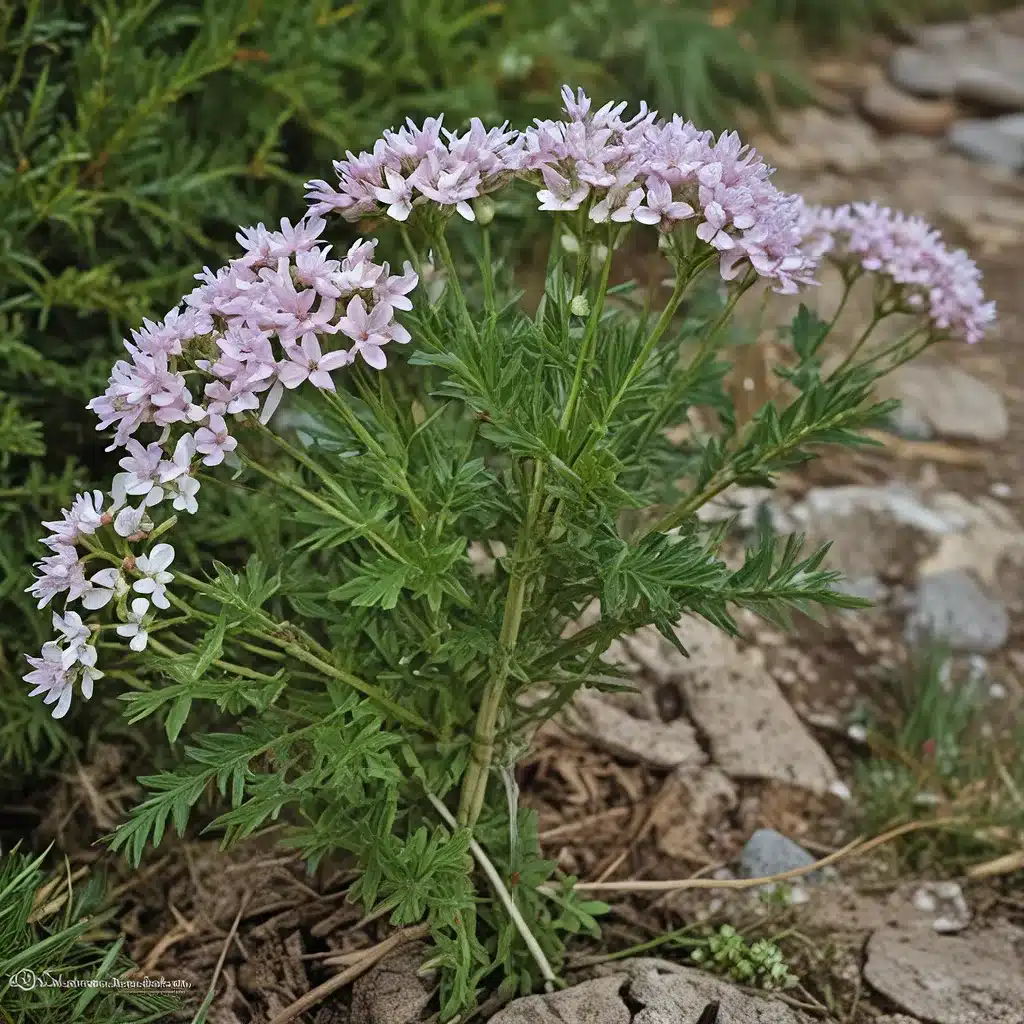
point(579, 306)
point(570, 243)
point(600, 253)
point(484, 208)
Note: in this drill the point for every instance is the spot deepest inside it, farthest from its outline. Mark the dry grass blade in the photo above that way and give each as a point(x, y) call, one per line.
point(854, 849)
point(43, 906)
point(212, 990)
point(1004, 865)
point(503, 894)
point(928, 451)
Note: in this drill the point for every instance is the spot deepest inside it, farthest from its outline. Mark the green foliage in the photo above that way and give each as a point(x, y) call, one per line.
point(358, 673)
point(938, 753)
point(680, 57)
point(760, 964)
point(49, 934)
point(137, 134)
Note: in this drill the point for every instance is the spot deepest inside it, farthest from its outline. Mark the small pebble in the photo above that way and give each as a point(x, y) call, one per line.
point(798, 895)
point(925, 901)
point(857, 732)
point(997, 691)
point(1000, 490)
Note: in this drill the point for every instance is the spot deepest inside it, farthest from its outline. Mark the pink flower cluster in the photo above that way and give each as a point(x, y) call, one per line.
point(255, 328)
point(928, 277)
point(636, 169)
point(414, 166)
point(665, 173)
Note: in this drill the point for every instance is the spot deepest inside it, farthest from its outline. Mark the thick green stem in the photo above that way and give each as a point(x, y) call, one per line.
point(474, 786)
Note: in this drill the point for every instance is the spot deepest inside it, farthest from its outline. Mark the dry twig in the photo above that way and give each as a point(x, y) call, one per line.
point(212, 990)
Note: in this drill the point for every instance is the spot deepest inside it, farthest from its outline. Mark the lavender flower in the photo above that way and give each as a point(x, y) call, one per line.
point(83, 519)
point(214, 442)
point(925, 275)
point(61, 573)
point(666, 174)
point(49, 677)
point(414, 166)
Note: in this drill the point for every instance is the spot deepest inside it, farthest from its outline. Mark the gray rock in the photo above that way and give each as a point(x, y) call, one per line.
point(871, 588)
point(660, 744)
point(768, 852)
point(952, 607)
point(910, 424)
point(750, 727)
point(945, 979)
point(813, 139)
point(874, 531)
point(997, 141)
point(592, 1002)
point(656, 994)
point(393, 992)
point(922, 72)
point(1001, 87)
point(679, 998)
point(948, 401)
point(894, 111)
point(981, 62)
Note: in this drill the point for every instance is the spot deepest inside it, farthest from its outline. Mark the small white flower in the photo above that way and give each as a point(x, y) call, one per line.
point(89, 675)
point(107, 585)
point(155, 576)
point(135, 626)
point(185, 488)
point(130, 520)
point(172, 469)
point(75, 632)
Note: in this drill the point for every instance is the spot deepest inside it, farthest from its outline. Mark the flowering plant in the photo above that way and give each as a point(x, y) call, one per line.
point(426, 536)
